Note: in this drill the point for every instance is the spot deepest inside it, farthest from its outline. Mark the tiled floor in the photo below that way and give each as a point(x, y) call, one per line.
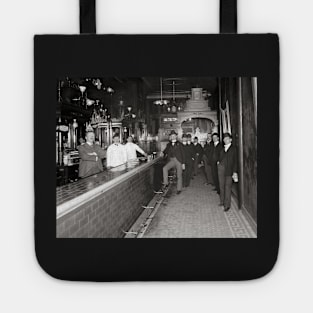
point(195, 214)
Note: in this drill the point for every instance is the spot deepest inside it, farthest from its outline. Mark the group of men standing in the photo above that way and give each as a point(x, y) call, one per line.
point(91, 154)
point(219, 160)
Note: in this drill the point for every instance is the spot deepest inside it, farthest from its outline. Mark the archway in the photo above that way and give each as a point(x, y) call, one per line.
point(204, 125)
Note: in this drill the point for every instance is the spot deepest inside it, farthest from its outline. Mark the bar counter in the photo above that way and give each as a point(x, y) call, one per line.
point(106, 204)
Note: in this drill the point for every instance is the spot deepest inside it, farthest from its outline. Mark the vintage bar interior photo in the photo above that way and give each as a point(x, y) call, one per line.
point(156, 157)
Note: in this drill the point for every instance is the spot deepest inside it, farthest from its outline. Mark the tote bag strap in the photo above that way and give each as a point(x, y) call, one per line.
point(87, 16)
point(228, 16)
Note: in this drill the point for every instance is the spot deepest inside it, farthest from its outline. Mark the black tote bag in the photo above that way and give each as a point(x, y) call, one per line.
point(108, 88)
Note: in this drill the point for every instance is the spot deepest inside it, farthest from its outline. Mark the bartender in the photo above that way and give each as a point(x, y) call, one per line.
point(91, 156)
point(131, 150)
point(116, 153)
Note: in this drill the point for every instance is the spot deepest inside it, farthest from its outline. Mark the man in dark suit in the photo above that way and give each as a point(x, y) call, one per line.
point(216, 149)
point(227, 170)
point(189, 153)
point(176, 158)
point(193, 152)
point(207, 159)
point(198, 157)
point(91, 156)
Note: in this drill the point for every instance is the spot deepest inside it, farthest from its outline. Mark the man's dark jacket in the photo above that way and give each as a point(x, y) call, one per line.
point(89, 164)
point(175, 151)
point(208, 151)
point(229, 160)
point(199, 150)
point(216, 150)
point(189, 153)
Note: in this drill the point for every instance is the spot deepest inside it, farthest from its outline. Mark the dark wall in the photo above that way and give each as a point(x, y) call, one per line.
point(230, 91)
point(249, 148)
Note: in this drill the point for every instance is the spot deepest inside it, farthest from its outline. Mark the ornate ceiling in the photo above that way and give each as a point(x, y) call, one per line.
point(183, 85)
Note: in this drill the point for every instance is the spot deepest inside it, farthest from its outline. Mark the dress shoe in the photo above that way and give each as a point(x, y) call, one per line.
point(178, 192)
point(163, 188)
point(226, 209)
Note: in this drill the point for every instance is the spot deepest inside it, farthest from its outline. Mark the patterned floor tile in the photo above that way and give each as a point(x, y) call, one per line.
point(195, 214)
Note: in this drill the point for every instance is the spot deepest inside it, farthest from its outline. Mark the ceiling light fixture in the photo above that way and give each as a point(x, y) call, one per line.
point(161, 101)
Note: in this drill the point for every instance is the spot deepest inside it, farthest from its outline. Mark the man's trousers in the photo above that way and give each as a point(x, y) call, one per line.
point(187, 173)
point(173, 163)
point(215, 177)
point(196, 165)
point(226, 183)
point(208, 170)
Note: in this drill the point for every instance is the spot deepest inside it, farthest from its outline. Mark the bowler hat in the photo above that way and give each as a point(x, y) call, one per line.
point(226, 135)
point(173, 132)
point(184, 136)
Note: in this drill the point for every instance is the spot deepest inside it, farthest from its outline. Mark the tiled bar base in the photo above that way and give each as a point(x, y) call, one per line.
point(113, 210)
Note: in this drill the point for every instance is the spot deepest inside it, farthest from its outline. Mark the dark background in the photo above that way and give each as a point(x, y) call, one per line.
point(141, 55)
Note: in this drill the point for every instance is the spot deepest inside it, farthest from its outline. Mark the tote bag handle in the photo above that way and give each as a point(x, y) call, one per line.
point(228, 16)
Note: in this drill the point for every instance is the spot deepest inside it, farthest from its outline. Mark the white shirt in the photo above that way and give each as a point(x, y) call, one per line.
point(216, 143)
point(226, 147)
point(131, 149)
point(116, 155)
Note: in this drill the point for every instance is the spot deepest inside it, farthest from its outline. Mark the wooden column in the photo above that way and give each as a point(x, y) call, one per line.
point(240, 143)
point(219, 108)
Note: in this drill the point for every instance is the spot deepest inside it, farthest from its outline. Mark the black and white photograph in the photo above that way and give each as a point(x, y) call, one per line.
point(185, 124)
point(156, 157)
